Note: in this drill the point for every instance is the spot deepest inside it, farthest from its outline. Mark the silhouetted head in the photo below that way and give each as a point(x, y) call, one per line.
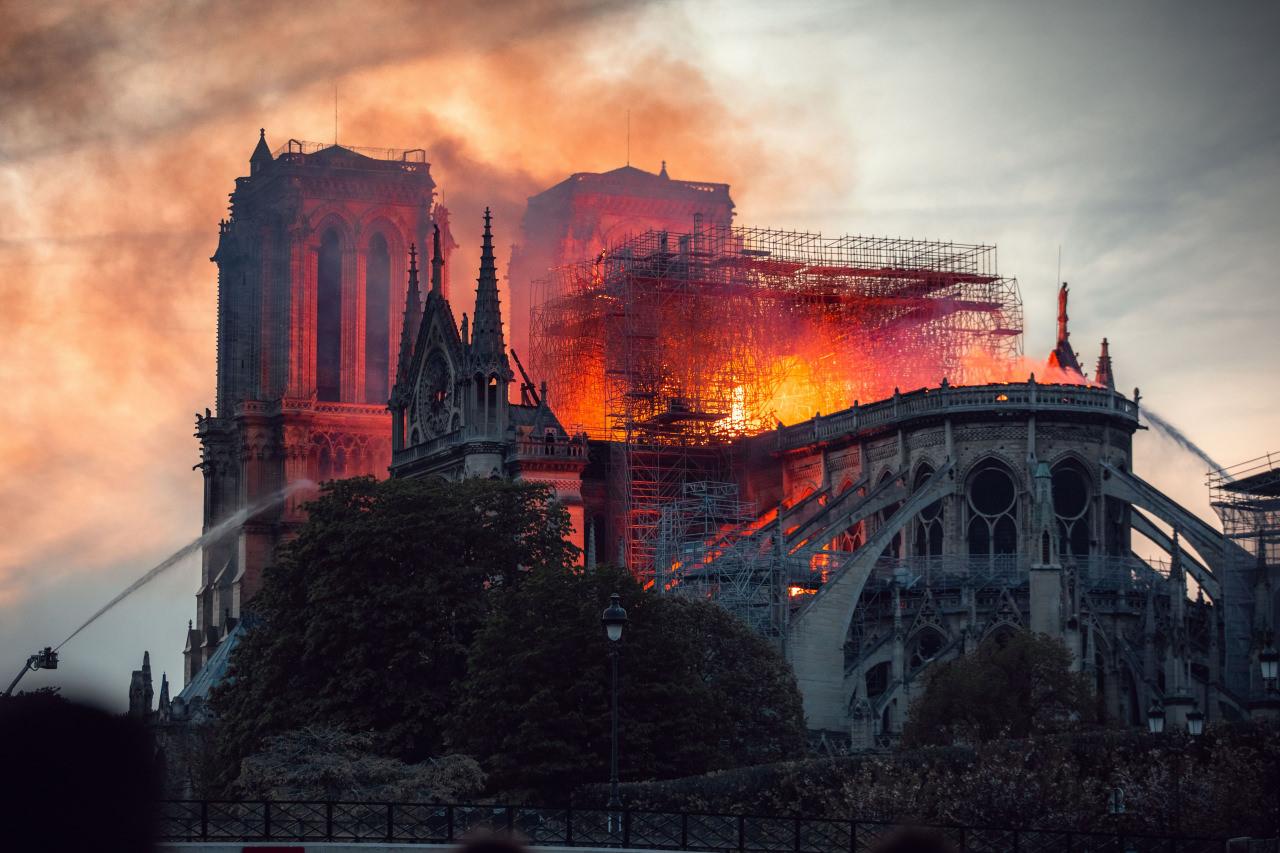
point(76, 778)
point(915, 840)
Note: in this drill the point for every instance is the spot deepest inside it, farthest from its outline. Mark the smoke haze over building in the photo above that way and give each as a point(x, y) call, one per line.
point(1141, 138)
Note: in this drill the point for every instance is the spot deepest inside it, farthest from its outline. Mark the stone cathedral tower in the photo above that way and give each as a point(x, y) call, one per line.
point(311, 297)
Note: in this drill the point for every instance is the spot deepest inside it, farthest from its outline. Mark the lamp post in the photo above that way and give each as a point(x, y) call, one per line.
point(1195, 723)
point(613, 619)
point(1268, 662)
point(1155, 719)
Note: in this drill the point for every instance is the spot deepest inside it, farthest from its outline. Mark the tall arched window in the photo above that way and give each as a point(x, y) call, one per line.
point(1071, 502)
point(993, 514)
point(329, 317)
point(927, 541)
point(377, 321)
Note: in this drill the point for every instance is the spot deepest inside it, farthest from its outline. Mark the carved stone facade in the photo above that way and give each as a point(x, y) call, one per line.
point(942, 518)
point(311, 292)
point(451, 413)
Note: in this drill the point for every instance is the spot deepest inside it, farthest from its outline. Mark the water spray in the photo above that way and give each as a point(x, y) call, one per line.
point(216, 532)
point(1175, 435)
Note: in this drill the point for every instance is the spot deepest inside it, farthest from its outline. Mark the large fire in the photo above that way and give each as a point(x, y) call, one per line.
point(730, 332)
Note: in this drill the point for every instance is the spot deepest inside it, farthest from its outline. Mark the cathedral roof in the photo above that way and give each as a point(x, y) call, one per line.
point(214, 672)
point(631, 181)
point(538, 419)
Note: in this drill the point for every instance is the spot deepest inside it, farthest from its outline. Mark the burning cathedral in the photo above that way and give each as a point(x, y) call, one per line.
point(837, 439)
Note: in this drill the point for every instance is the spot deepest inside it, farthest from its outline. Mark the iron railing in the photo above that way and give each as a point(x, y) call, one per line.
point(430, 823)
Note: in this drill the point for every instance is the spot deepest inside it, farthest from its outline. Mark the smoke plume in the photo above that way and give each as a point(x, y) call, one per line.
point(127, 122)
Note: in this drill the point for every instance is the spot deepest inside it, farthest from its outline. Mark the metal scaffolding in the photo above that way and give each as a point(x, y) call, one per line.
point(1247, 499)
point(675, 344)
point(703, 553)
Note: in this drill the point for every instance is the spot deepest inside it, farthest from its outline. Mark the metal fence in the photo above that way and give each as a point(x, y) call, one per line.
point(427, 823)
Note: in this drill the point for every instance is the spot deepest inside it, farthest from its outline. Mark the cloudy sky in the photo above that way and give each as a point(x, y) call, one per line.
point(1142, 139)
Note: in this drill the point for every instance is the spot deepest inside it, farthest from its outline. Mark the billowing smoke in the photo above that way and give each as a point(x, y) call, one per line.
point(126, 123)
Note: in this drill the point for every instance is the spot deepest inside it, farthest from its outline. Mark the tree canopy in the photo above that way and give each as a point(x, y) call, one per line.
point(1012, 687)
point(365, 621)
point(698, 690)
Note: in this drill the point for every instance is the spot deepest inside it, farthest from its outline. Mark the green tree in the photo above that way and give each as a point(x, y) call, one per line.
point(1009, 688)
point(698, 690)
point(365, 621)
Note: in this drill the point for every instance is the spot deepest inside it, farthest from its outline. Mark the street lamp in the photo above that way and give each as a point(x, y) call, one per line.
point(1195, 723)
point(1155, 719)
point(613, 619)
point(1268, 660)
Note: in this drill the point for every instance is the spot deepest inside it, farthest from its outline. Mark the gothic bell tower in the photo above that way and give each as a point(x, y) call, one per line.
point(311, 297)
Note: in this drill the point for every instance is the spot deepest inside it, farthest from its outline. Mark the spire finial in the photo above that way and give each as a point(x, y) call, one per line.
point(408, 332)
point(1063, 356)
point(663, 173)
point(1103, 374)
point(261, 153)
point(1063, 334)
point(486, 336)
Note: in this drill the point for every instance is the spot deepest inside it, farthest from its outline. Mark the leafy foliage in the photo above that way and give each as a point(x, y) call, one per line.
point(698, 690)
point(327, 764)
point(365, 622)
point(1008, 689)
point(1222, 782)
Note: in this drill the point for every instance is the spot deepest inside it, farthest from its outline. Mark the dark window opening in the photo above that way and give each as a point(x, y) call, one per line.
point(878, 679)
point(1071, 502)
point(329, 318)
point(993, 509)
point(377, 321)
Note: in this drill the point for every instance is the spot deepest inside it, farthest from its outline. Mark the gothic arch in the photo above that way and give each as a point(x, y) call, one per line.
point(1069, 455)
point(924, 646)
point(927, 530)
point(328, 216)
point(987, 456)
point(1075, 504)
point(992, 503)
point(376, 221)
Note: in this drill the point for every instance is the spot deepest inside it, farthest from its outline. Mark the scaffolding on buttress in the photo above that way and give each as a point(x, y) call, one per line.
point(699, 555)
point(673, 345)
point(1247, 499)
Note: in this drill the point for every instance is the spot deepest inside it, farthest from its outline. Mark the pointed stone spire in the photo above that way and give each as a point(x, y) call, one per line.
point(409, 330)
point(163, 704)
point(1103, 375)
point(1044, 521)
point(1063, 356)
point(663, 173)
point(437, 262)
point(148, 693)
point(464, 331)
point(487, 346)
point(261, 153)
